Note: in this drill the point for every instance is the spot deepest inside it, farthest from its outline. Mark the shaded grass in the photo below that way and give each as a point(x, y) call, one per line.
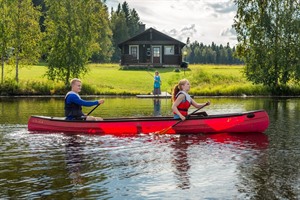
point(110, 79)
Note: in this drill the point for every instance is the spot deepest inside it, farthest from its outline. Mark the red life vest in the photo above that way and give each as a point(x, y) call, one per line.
point(184, 105)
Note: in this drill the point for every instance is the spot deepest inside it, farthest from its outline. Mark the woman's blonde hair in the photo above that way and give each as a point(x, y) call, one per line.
point(178, 87)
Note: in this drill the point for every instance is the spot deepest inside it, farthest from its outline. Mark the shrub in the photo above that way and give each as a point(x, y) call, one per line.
point(9, 87)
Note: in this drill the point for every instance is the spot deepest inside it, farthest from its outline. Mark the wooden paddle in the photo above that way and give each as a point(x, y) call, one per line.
point(93, 109)
point(167, 129)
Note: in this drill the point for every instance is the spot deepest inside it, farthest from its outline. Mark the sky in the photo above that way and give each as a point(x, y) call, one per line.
point(204, 21)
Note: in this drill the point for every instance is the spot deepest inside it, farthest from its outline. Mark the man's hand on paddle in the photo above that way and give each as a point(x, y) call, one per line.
point(100, 101)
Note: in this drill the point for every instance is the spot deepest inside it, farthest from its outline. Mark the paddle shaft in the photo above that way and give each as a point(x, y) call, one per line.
point(167, 129)
point(93, 109)
point(190, 114)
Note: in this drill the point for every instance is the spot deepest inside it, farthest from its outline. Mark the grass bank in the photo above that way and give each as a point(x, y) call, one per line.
point(110, 79)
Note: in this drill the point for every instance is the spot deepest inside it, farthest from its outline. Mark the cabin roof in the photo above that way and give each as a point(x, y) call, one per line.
point(154, 31)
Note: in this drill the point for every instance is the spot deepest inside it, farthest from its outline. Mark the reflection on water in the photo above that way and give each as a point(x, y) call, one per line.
point(156, 107)
point(180, 162)
point(247, 141)
point(213, 166)
point(74, 158)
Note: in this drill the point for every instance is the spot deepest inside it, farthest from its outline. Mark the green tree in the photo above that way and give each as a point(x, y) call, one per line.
point(120, 32)
point(72, 29)
point(133, 23)
point(268, 40)
point(104, 37)
point(26, 35)
point(124, 24)
point(5, 32)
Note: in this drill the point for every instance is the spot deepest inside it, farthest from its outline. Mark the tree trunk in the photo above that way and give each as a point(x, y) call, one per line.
point(17, 68)
point(2, 69)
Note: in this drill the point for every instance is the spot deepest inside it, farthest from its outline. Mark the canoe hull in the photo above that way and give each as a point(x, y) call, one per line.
point(253, 121)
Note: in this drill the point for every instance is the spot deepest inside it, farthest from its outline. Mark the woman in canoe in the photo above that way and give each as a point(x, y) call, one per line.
point(182, 100)
point(74, 103)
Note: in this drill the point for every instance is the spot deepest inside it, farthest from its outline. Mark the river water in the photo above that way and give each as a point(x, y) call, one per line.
point(215, 166)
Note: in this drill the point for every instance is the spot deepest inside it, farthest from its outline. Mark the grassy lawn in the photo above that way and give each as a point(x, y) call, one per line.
point(110, 79)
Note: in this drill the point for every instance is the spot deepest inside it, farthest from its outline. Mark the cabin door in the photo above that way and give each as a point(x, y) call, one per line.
point(156, 54)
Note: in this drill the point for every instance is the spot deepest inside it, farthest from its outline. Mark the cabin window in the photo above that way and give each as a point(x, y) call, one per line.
point(169, 50)
point(156, 52)
point(133, 50)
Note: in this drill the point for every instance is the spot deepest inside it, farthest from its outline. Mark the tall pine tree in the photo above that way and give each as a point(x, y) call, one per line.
point(124, 24)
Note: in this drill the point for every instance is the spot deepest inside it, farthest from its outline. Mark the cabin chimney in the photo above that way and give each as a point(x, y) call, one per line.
point(142, 28)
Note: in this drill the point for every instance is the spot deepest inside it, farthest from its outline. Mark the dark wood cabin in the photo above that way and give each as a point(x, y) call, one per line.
point(151, 48)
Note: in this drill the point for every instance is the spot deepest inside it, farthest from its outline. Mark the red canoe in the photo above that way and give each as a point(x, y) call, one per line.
point(252, 121)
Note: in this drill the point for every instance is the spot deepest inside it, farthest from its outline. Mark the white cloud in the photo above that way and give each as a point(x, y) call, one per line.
point(204, 21)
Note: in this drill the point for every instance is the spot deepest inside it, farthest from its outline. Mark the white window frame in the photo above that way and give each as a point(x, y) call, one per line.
point(137, 48)
point(168, 48)
point(160, 52)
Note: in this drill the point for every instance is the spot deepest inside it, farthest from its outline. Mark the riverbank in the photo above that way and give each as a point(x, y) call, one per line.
point(110, 79)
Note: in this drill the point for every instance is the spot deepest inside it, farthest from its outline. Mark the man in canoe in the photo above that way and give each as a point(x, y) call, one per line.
point(74, 103)
point(182, 100)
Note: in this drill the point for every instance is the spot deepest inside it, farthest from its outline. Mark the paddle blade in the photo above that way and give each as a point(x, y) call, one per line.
point(164, 131)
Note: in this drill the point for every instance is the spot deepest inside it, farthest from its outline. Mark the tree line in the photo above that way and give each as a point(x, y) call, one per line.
point(68, 34)
point(198, 53)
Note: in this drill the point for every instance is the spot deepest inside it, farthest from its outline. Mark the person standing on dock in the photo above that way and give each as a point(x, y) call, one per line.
point(74, 103)
point(157, 84)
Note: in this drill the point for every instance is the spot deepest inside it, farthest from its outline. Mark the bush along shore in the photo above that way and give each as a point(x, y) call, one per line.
point(111, 79)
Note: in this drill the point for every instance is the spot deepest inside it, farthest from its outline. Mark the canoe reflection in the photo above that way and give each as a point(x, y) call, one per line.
point(184, 148)
point(182, 143)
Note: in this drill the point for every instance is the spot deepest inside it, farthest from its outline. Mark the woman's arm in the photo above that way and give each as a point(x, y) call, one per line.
point(199, 105)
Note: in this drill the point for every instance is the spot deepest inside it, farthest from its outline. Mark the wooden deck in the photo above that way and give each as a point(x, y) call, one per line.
point(162, 95)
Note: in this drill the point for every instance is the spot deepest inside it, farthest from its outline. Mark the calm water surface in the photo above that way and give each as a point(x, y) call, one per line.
point(214, 166)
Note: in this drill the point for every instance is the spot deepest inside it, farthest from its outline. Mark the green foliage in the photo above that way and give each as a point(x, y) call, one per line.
point(88, 89)
point(124, 24)
point(108, 79)
point(72, 33)
point(9, 87)
point(118, 26)
point(26, 36)
point(269, 39)
point(104, 37)
point(198, 53)
point(5, 32)
point(20, 34)
point(285, 90)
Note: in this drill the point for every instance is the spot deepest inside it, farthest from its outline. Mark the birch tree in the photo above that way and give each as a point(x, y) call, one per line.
point(268, 34)
point(26, 35)
point(5, 32)
point(72, 29)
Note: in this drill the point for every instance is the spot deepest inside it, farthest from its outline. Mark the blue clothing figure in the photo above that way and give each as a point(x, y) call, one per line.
point(157, 83)
point(156, 108)
point(73, 103)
